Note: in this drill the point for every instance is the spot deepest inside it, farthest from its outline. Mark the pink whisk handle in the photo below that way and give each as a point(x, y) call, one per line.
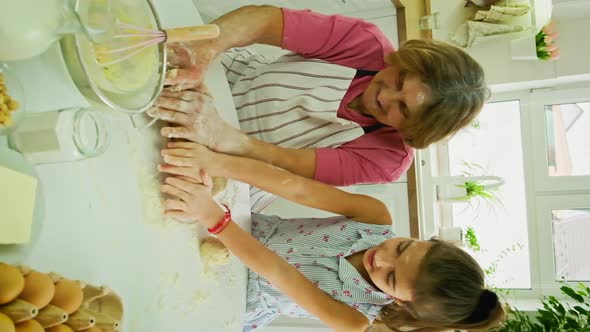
point(198, 32)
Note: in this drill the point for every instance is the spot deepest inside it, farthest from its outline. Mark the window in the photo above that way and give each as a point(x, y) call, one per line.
point(568, 153)
point(535, 233)
point(492, 146)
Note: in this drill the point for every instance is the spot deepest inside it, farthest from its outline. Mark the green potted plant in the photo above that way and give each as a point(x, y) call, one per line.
point(469, 186)
point(466, 188)
point(569, 315)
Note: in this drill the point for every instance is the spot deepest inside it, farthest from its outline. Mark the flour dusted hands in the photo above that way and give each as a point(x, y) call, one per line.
point(188, 159)
point(189, 62)
point(190, 185)
point(196, 115)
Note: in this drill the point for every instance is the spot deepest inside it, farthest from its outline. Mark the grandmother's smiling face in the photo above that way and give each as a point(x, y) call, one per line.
point(393, 95)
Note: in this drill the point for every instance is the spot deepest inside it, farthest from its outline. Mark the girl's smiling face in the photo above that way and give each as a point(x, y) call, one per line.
point(394, 265)
point(393, 95)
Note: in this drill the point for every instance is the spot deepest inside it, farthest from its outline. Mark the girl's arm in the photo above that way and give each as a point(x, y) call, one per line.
point(291, 282)
point(193, 202)
point(187, 159)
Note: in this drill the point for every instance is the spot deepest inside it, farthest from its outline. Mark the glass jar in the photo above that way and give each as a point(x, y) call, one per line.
point(61, 136)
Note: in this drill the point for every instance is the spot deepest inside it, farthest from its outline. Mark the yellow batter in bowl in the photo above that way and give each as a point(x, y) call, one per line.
point(133, 74)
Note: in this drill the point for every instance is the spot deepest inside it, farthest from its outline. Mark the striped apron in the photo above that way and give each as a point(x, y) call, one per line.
point(289, 101)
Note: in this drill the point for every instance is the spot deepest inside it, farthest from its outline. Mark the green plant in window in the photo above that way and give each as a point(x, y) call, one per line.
point(471, 239)
point(475, 124)
point(569, 315)
point(480, 189)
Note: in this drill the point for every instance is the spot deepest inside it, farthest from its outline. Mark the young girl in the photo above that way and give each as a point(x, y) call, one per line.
point(345, 270)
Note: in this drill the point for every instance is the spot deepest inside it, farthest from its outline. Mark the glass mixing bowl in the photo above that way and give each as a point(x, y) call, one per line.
point(130, 86)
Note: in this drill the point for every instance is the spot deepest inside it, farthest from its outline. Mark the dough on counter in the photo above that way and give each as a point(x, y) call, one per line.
point(219, 185)
point(213, 252)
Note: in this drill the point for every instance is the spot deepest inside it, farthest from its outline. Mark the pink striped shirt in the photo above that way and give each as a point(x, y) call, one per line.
point(379, 156)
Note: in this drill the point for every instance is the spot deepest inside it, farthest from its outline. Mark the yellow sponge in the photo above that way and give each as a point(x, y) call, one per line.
point(17, 197)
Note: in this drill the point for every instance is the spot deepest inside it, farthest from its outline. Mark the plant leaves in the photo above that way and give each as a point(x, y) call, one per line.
point(572, 324)
point(572, 293)
point(581, 310)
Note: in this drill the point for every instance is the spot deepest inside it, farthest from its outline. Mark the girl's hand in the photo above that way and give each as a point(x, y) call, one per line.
point(199, 122)
point(191, 200)
point(188, 159)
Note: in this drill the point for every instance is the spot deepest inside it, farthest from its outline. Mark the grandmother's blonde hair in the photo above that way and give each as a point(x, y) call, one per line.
point(458, 87)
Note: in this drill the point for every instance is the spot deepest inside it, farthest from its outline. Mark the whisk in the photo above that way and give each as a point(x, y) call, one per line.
point(129, 40)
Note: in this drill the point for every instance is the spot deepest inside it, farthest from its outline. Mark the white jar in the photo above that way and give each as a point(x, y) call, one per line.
point(61, 136)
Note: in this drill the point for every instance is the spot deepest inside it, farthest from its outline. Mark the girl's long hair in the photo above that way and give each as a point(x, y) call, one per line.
point(449, 294)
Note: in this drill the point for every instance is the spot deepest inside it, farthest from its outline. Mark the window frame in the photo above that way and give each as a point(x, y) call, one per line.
point(543, 193)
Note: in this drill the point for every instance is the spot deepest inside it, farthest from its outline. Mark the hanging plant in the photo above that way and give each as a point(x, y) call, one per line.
point(478, 186)
point(545, 42)
point(471, 186)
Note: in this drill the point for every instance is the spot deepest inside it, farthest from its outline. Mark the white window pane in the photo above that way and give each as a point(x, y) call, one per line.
point(568, 134)
point(494, 143)
point(570, 236)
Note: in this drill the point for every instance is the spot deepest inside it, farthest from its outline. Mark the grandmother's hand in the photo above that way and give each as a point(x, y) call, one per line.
point(199, 122)
point(188, 63)
point(188, 159)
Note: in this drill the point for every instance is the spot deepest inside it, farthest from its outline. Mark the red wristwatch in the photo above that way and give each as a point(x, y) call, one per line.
point(221, 224)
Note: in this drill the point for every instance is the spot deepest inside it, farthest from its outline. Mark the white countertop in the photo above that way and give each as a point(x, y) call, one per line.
point(97, 227)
